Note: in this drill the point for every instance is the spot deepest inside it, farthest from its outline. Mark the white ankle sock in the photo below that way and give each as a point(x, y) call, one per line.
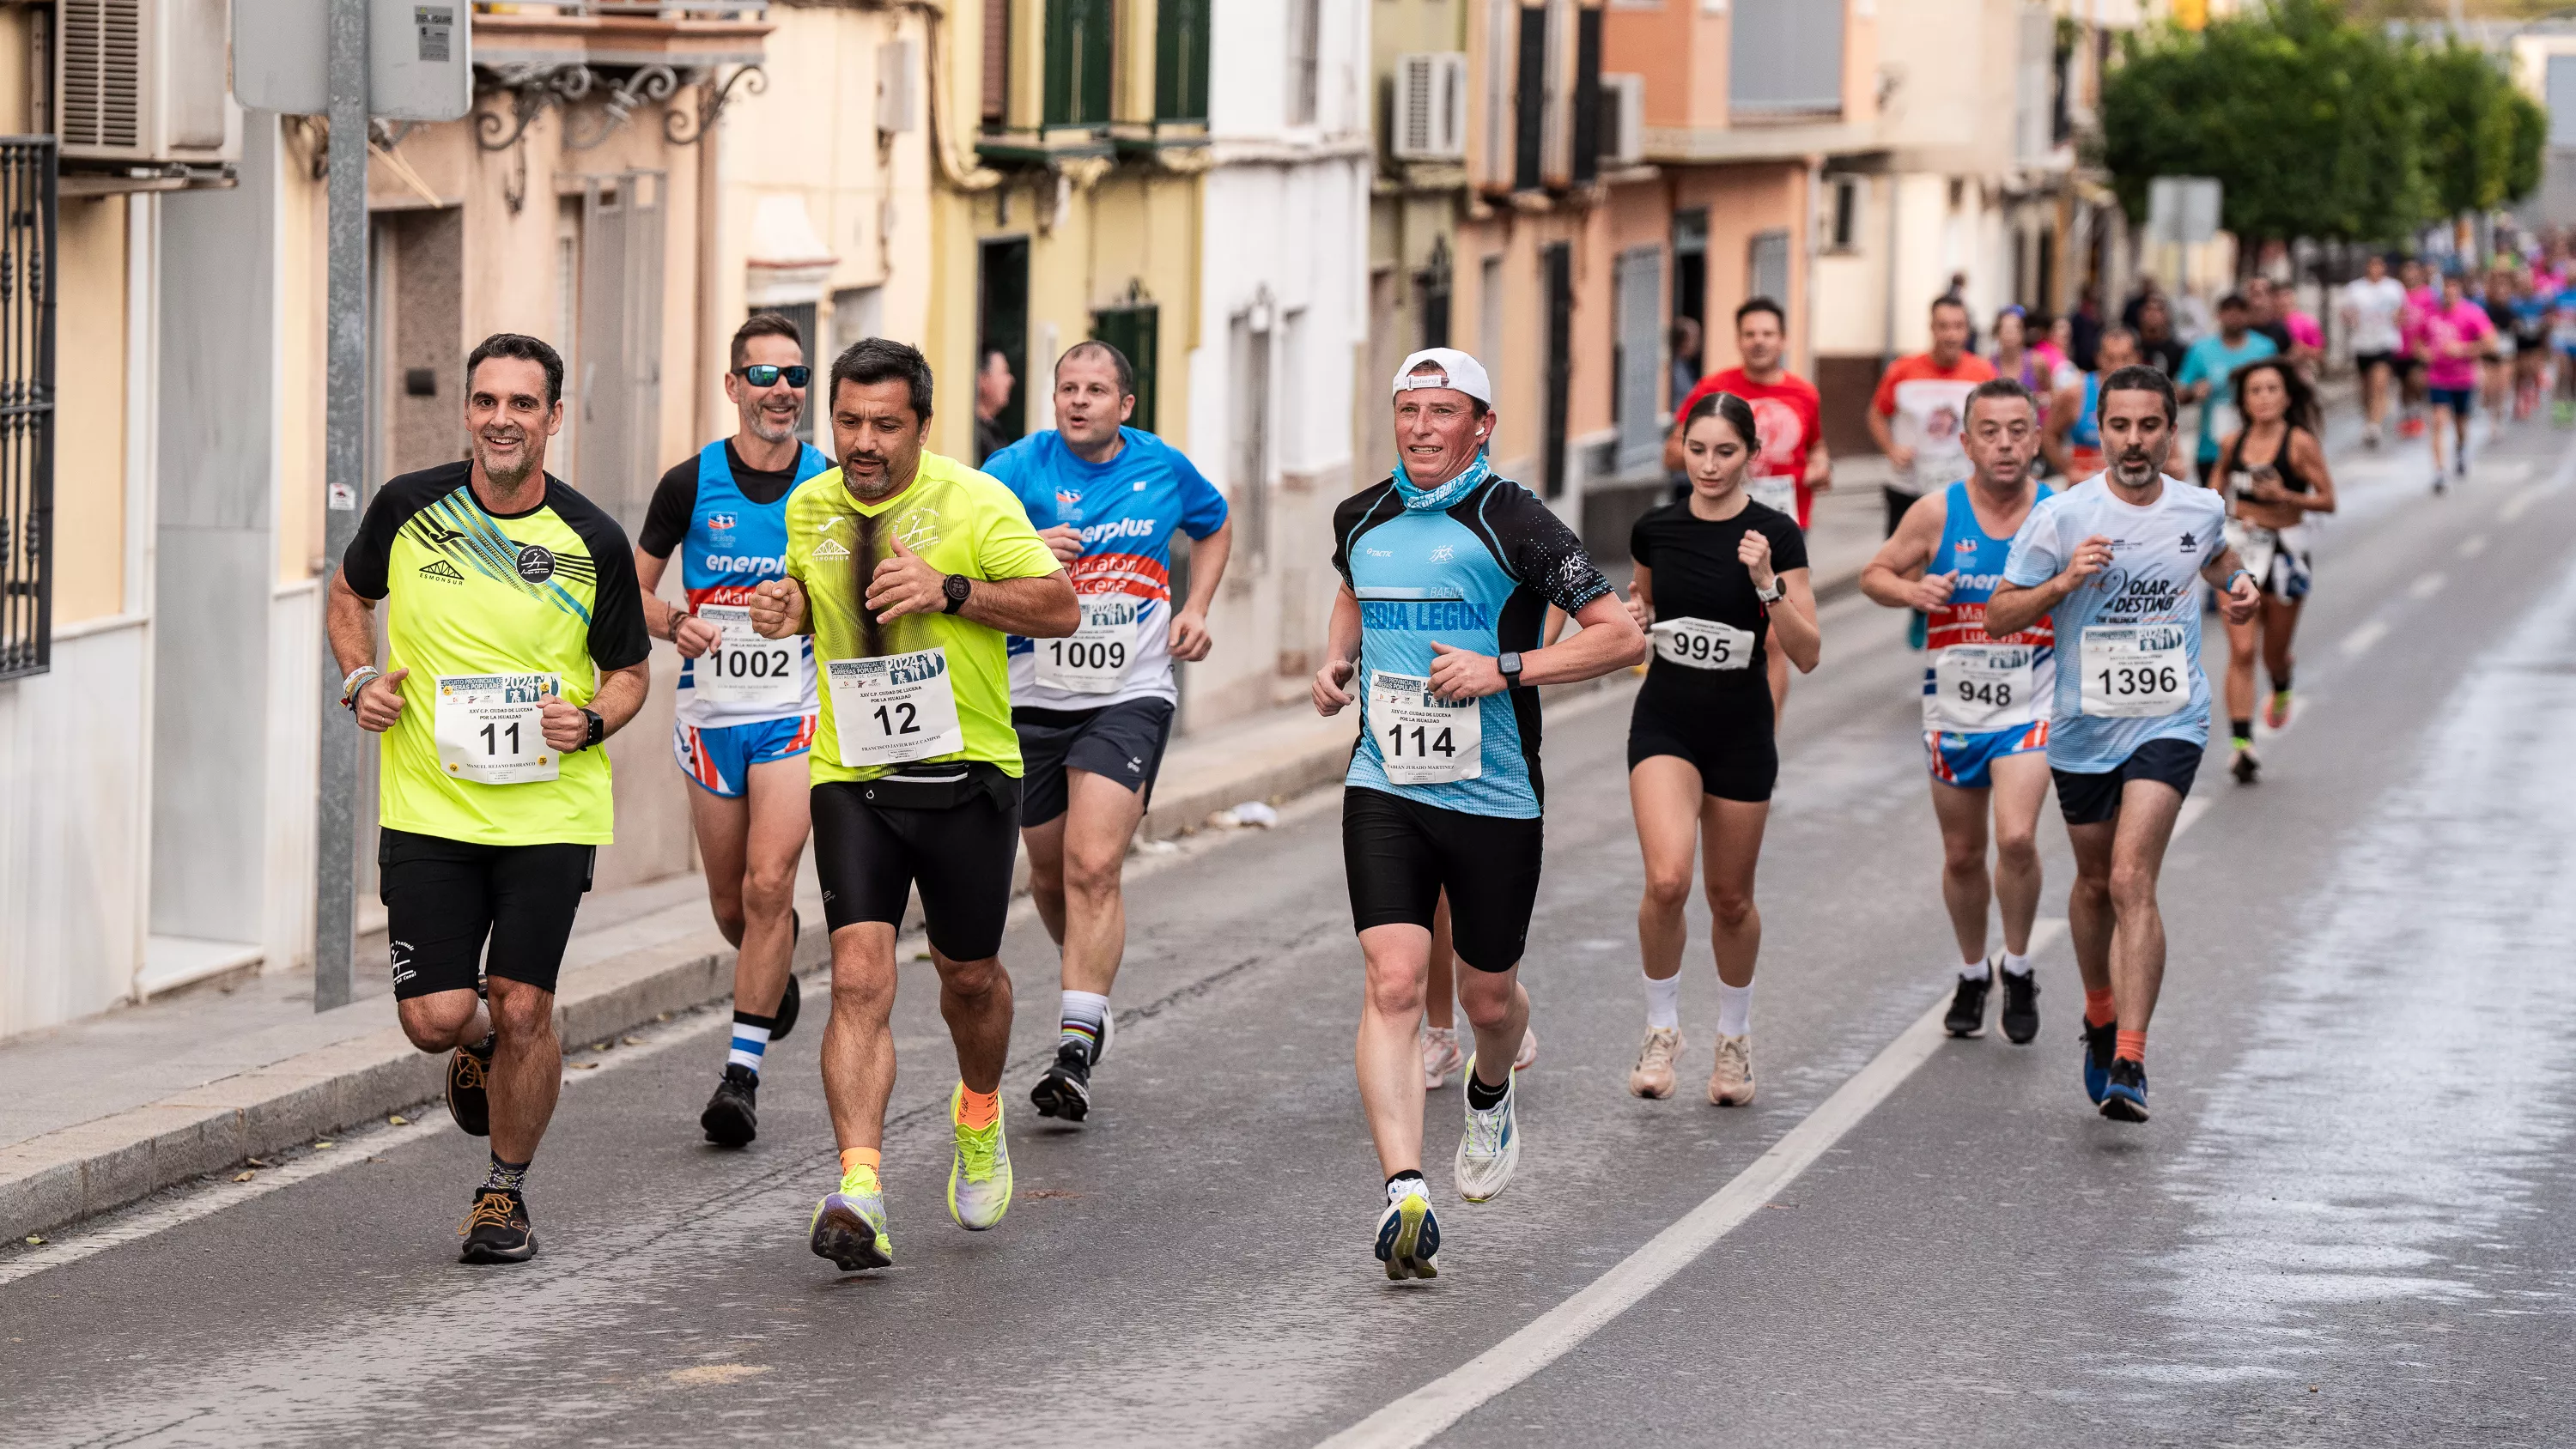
point(1664, 1001)
point(1734, 1009)
point(1972, 970)
point(2016, 965)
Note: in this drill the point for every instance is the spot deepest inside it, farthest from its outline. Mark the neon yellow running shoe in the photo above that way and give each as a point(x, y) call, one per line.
point(849, 1226)
point(979, 1176)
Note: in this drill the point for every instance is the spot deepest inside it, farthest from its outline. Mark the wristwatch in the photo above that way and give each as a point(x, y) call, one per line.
point(957, 587)
point(1772, 594)
point(1510, 665)
point(598, 728)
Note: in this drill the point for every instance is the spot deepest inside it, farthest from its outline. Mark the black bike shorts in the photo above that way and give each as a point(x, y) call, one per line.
point(447, 900)
point(1727, 738)
point(870, 857)
point(1122, 742)
point(2095, 799)
point(1400, 855)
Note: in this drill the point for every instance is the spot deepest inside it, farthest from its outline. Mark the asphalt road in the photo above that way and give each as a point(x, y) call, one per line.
point(2346, 1224)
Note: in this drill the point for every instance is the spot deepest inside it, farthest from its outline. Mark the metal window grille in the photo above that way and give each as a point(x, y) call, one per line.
point(1305, 59)
point(27, 267)
point(619, 387)
point(1136, 330)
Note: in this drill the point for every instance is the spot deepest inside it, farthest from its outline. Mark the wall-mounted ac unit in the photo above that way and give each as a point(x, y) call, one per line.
point(1623, 120)
point(1430, 120)
point(144, 82)
point(894, 86)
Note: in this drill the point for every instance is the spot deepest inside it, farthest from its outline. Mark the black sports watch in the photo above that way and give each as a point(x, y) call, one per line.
point(957, 587)
point(598, 728)
point(1510, 665)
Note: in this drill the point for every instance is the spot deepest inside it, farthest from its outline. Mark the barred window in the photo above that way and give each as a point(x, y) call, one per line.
point(27, 267)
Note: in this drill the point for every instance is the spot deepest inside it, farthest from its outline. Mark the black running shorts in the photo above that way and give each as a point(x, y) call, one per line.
point(2095, 799)
point(870, 857)
point(1122, 742)
point(1727, 739)
point(446, 900)
point(1400, 855)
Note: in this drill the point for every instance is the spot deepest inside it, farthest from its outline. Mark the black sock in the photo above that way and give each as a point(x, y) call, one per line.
point(506, 1176)
point(2242, 730)
point(1482, 1097)
point(2280, 681)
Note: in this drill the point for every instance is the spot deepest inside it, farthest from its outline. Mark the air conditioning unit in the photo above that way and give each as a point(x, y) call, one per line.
point(1430, 121)
point(1623, 120)
point(144, 81)
point(894, 87)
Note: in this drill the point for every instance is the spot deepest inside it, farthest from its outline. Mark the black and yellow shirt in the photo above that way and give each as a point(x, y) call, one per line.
point(475, 593)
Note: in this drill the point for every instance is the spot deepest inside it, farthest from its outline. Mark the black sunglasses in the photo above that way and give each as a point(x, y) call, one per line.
point(765, 374)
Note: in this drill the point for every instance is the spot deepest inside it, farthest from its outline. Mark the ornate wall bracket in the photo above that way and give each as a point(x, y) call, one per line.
point(533, 86)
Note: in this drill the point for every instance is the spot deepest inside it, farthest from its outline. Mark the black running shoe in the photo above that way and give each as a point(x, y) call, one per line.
point(1065, 1090)
point(2099, 1042)
point(2245, 767)
point(497, 1230)
point(469, 1099)
point(2021, 1006)
point(783, 1020)
point(732, 1115)
point(1968, 1009)
point(2125, 1100)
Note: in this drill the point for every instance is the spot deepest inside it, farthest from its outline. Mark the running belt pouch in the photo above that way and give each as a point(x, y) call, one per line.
point(938, 787)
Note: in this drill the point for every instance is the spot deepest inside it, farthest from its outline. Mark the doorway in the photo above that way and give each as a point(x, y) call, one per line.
point(1556, 265)
point(1002, 324)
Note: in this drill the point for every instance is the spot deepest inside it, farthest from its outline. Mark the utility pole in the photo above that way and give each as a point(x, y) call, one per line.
point(344, 483)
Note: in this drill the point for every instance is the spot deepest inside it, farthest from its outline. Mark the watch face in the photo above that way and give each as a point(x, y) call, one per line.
point(956, 586)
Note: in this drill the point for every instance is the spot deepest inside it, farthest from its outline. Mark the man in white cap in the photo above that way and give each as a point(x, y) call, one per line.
point(1447, 575)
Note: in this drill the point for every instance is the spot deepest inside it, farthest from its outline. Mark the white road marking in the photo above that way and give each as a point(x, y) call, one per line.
point(2514, 506)
point(2192, 810)
point(1420, 1416)
point(2473, 545)
point(2358, 642)
point(2427, 586)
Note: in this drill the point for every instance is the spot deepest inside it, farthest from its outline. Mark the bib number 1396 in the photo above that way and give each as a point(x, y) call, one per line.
point(2135, 670)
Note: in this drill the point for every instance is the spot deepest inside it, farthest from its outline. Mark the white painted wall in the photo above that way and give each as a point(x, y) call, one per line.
point(294, 760)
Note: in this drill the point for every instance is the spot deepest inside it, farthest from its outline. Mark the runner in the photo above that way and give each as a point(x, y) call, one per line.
point(2372, 305)
point(2274, 475)
point(1985, 706)
point(1445, 568)
point(1718, 577)
point(908, 569)
point(2533, 306)
point(2451, 338)
point(2562, 342)
point(746, 707)
point(516, 641)
point(2423, 296)
point(1914, 415)
point(2109, 564)
point(1793, 466)
point(2206, 368)
point(1095, 711)
point(2495, 369)
point(2074, 433)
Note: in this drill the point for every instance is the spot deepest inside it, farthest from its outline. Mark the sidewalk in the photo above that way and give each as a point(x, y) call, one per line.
point(98, 1113)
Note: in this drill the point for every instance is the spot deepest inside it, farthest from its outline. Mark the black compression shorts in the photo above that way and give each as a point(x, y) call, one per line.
point(871, 856)
point(2095, 799)
point(445, 899)
point(1122, 742)
point(1728, 740)
point(1400, 855)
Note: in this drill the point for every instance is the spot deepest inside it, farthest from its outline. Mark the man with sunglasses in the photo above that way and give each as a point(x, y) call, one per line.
point(747, 710)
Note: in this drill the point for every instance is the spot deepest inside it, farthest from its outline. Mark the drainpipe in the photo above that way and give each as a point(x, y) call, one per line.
point(1887, 340)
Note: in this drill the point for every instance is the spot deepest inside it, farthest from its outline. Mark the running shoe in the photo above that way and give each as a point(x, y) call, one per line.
point(1730, 1082)
point(1527, 1056)
point(2276, 710)
point(1490, 1148)
point(1653, 1074)
point(469, 1100)
point(979, 1176)
point(783, 1020)
point(2370, 439)
point(2245, 767)
point(1440, 1056)
point(1967, 1014)
point(2099, 1041)
point(2460, 464)
point(1408, 1235)
point(2440, 483)
point(850, 1229)
point(2021, 1006)
point(732, 1117)
point(498, 1230)
point(1065, 1090)
point(2125, 1099)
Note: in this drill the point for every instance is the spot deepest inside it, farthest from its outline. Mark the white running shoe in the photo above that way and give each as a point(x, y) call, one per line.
point(1440, 1056)
point(1653, 1074)
point(1408, 1233)
point(1730, 1083)
point(1491, 1146)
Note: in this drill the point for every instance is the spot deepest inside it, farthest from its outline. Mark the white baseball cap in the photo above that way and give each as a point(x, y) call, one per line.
point(1458, 371)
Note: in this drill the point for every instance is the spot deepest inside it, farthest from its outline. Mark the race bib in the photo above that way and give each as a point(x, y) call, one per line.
point(1703, 644)
point(1423, 739)
point(895, 709)
point(1979, 687)
point(2135, 670)
point(2256, 547)
point(489, 728)
point(1095, 659)
point(745, 668)
point(1774, 492)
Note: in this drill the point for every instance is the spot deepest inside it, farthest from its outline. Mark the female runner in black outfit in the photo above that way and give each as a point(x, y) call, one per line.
point(2276, 476)
point(1715, 572)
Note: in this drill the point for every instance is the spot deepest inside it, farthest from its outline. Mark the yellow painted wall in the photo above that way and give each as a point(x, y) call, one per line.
point(89, 413)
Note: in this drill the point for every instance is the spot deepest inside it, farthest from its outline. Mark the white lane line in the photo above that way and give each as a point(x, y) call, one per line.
point(1422, 1415)
point(2192, 810)
point(2514, 506)
point(2473, 545)
point(2358, 642)
point(2427, 586)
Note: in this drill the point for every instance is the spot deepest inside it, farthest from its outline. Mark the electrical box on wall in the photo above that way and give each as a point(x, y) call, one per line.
point(142, 82)
point(420, 57)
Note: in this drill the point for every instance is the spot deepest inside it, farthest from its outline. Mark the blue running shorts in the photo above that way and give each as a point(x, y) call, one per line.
point(1961, 759)
point(719, 759)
